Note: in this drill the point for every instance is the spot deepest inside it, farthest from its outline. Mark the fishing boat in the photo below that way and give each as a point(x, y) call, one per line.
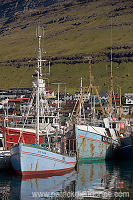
point(126, 147)
point(126, 141)
point(33, 159)
point(126, 136)
point(96, 139)
point(49, 153)
point(14, 124)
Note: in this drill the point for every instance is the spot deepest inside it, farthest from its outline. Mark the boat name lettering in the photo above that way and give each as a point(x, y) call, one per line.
point(105, 139)
point(41, 152)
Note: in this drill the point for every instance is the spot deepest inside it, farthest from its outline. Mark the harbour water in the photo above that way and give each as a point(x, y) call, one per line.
point(96, 180)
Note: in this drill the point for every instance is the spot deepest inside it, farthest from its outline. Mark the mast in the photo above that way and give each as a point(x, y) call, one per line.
point(81, 90)
point(120, 105)
point(89, 88)
point(37, 109)
point(111, 77)
point(111, 89)
point(58, 102)
point(39, 35)
point(120, 112)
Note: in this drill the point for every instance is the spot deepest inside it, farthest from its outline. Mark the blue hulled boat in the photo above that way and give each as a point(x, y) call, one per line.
point(35, 160)
point(96, 139)
point(95, 142)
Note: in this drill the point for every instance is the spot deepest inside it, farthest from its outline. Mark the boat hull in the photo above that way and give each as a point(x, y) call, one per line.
point(126, 147)
point(33, 159)
point(91, 145)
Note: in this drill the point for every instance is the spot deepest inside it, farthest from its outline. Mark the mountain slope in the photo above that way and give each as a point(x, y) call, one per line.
point(75, 32)
point(10, 7)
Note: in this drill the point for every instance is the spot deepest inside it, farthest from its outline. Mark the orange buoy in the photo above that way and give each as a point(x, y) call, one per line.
point(122, 125)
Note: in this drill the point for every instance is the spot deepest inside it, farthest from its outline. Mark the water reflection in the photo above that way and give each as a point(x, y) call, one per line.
point(105, 180)
point(38, 188)
point(97, 180)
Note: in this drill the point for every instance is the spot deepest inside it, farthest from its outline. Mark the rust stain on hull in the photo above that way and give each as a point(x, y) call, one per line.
point(92, 149)
point(36, 168)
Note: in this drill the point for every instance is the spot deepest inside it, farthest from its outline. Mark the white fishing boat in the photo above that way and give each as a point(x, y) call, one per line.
point(49, 154)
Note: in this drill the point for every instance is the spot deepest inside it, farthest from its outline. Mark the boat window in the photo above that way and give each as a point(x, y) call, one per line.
point(52, 139)
point(113, 125)
point(46, 139)
point(108, 132)
point(46, 119)
point(40, 120)
point(1, 144)
point(50, 120)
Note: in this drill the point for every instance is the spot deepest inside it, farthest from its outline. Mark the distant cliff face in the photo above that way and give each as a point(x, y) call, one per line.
point(9, 7)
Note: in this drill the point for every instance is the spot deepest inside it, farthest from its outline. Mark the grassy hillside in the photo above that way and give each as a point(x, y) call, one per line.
point(74, 33)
